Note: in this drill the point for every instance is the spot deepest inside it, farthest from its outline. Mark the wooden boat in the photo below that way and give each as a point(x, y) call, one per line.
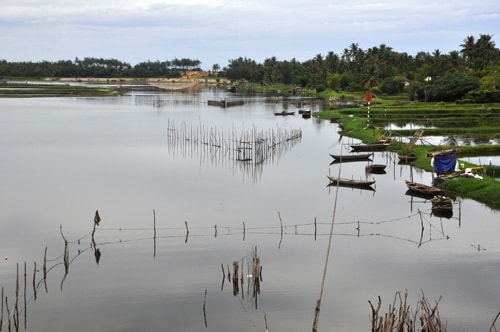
point(284, 113)
point(442, 202)
point(350, 182)
point(422, 189)
point(383, 140)
point(306, 114)
point(442, 206)
point(442, 213)
point(416, 194)
point(369, 147)
point(351, 157)
point(406, 158)
point(375, 168)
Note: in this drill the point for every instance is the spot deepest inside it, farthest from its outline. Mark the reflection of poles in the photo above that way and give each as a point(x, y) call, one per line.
point(1, 309)
point(45, 270)
point(281, 223)
point(66, 251)
point(16, 304)
point(204, 310)
point(460, 213)
point(223, 276)
point(256, 275)
point(187, 231)
point(34, 284)
point(65, 258)
point(235, 278)
point(154, 233)
point(244, 230)
point(25, 300)
point(422, 232)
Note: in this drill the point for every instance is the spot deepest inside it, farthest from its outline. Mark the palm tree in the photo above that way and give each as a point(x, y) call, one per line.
point(468, 48)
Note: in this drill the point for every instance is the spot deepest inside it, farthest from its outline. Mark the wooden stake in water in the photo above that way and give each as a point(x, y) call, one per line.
point(235, 278)
point(45, 270)
point(34, 281)
point(1, 310)
point(154, 233)
point(204, 308)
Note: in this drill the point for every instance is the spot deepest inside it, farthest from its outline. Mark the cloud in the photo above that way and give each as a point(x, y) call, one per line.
point(216, 31)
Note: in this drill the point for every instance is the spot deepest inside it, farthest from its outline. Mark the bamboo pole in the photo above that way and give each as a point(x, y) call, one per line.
point(204, 308)
point(154, 233)
point(235, 278)
point(223, 276)
point(1, 310)
point(24, 294)
point(34, 280)
point(45, 270)
point(16, 303)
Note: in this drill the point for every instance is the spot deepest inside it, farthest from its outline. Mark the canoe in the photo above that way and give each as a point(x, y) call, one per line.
point(369, 147)
point(284, 113)
point(352, 157)
point(383, 140)
point(442, 213)
point(442, 202)
point(442, 207)
point(406, 158)
point(350, 182)
point(375, 168)
point(423, 189)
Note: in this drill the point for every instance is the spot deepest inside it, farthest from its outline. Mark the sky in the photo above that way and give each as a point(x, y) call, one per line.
point(217, 31)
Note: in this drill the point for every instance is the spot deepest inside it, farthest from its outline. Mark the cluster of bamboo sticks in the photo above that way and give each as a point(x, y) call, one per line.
point(252, 145)
point(253, 274)
point(399, 317)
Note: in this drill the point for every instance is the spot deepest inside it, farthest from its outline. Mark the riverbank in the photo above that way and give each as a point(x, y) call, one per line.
point(91, 86)
point(28, 89)
point(359, 123)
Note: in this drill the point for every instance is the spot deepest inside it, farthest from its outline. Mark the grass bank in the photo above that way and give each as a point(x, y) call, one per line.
point(441, 119)
point(28, 90)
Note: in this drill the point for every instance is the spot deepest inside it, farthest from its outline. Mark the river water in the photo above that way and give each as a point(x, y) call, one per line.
point(178, 206)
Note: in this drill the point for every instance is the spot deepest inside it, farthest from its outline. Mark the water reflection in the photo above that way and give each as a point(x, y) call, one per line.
point(253, 275)
point(148, 273)
point(245, 276)
point(248, 151)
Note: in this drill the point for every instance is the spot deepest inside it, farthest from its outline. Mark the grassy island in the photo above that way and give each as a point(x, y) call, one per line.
point(481, 122)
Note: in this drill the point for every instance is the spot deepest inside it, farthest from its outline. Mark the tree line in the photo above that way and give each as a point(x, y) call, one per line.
point(97, 67)
point(425, 76)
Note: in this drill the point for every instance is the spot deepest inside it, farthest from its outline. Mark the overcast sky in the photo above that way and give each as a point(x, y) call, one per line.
point(216, 31)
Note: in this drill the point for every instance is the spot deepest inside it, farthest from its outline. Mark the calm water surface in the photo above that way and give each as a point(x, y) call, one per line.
point(64, 158)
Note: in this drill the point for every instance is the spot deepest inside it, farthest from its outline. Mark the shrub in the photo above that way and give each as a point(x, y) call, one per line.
point(480, 96)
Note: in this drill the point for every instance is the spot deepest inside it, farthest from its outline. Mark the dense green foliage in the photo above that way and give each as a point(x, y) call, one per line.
point(425, 77)
point(94, 67)
point(380, 69)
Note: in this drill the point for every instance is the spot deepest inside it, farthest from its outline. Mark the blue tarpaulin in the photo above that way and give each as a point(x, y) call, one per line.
point(445, 163)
